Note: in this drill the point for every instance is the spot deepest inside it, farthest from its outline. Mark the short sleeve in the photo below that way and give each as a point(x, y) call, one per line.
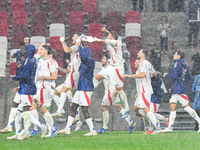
point(37, 57)
point(74, 48)
point(51, 65)
point(114, 43)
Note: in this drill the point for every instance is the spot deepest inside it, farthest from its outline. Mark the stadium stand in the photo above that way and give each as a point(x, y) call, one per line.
point(57, 29)
point(4, 30)
point(89, 5)
point(57, 17)
point(17, 5)
point(53, 5)
point(55, 43)
point(19, 30)
point(37, 41)
point(13, 69)
point(95, 17)
point(4, 17)
point(3, 42)
point(3, 5)
point(71, 5)
point(60, 64)
point(20, 17)
point(15, 41)
point(35, 5)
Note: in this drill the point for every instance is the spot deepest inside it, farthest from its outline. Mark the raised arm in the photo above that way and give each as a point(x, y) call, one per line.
point(65, 47)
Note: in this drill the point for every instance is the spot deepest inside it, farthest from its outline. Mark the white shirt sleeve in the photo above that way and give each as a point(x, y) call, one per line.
point(52, 66)
point(114, 43)
point(37, 57)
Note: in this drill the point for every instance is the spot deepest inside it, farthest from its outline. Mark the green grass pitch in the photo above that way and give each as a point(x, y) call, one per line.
point(113, 140)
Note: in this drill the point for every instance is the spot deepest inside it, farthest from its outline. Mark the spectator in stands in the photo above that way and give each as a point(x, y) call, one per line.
point(176, 6)
point(154, 56)
point(193, 23)
point(26, 41)
point(19, 55)
point(175, 48)
point(141, 3)
point(126, 57)
point(196, 103)
point(164, 29)
point(196, 64)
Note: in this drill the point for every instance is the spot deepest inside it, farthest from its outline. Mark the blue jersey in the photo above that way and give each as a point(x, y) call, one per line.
point(196, 89)
point(179, 76)
point(156, 83)
point(86, 70)
point(17, 55)
point(26, 77)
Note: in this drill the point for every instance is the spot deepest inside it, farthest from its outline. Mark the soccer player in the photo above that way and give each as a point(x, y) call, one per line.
point(71, 81)
point(179, 76)
point(85, 90)
point(46, 71)
point(143, 77)
point(116, 69)
point(108, 100)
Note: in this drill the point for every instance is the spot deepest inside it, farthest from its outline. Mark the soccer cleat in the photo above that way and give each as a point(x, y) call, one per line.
point(131, 127)
point(34, 132)
point(91, 133)
point(12, 137)
point(78, 125)
point(157, 132)
point(167, 130)
point(65, 131)
point(23, 135)
point(125, 114)
point(148, 132)
point(76, 119)
point(6, 130)
point(53, 134)
point(102, 130)
point(198, 130)
point(43, 130)
point(167, 123)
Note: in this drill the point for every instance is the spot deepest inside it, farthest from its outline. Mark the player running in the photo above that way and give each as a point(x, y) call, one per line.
point(179, 76)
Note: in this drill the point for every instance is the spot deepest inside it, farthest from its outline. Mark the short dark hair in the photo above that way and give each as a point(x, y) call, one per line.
point(54, 53)
point(78, 33)
point(166, 19)
point(145, 52)
point(182, 54)
point(22, 44)
point(48, 48)
point(114, 34)
point(105, 55)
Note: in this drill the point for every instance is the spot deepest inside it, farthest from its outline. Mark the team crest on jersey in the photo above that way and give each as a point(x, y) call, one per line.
point(175, 64)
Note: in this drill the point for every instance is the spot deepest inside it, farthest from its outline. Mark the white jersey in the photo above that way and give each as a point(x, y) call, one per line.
point(37, 58)
point(75, 59)
point(45, 68)
point(116, 52)
point(137, 83)
point(53, 83)
point(107, 84)
point(145, 83)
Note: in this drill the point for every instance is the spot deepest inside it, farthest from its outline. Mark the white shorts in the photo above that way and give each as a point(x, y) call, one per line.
point(83, 98)
point(17, 98)
point(181, 98)
point(136, 102)
point(109, 98)
point(154, 107)
point(26, 100)
point(115, 74)
point(43, 96)
point(144, 100)
point(72, 80)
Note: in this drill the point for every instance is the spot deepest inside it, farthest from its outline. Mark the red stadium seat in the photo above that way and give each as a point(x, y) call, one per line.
point(114, 17)
point(57, 17)
point(60, 64)
point(95, 17)
point(13, 69)
point(4, 17)
point(114, 27)
point(3, 5)
point(132, 67)
point(39, 17)
point(19, 30)
point(71, 5)
point(132, 17)
point(20, 17)
point(55, 43)
point(60, 54)
point(17, 5)
point(76, 17)
point(38, 29)
point(95, 30)
point(53, 5)
point(74, 28)
point(15, 41)
point(4, 30)
point(89, 5)
point(35, 5)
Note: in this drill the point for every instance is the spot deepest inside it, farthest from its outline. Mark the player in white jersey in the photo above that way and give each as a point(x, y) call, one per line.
point(71, 81)
point(46, 72)
point(111, 99)
point(145, 72)
point(116, 70)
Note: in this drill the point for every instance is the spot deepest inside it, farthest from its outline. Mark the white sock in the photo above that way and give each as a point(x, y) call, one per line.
point(35, 122)
point(192, 113)
point(27, 120)
point(34, 113)
point(69, 122)
point(124, 99)
point(128, 118)
point(78, 113)
point(56, 99)
point(69, 95)
point(105, 119)
point(12, 115)
point(160, 117)
point(172, 118)
point(153, 120)
point(147, 123)
point(90, 124)
point(18, 123)
point(61, 101)
point(95, 82)
point(49, 120)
